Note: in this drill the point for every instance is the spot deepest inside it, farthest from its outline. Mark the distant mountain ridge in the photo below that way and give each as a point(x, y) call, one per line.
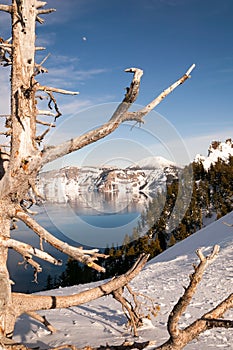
point(157, 162)
point(67, 183)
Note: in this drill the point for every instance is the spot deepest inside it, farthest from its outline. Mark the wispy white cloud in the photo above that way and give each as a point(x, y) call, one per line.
point(64, 73)
point(75, 106)
point(226, 70)
point(66, 10)
point(46, 40)
point(78, 104)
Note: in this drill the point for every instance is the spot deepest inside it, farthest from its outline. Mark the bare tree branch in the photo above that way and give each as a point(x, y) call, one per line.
point(45, 123)
point(39, 20)
point(5, 52)
point(212, 319)
point(134, 319)
point(46, 11)
point(6, 8)
point(167, 91)
point(40, 4)
point(40, 48)
point(26, 250)
point(47, 113)
point(86, 257)
point(43, 320)
point(59, 91)
point(127, 345)
point(215, 323)
point(119, 116)
point(30, 303)
point(39, 68)
point(138, 115)
point(40, 138)
point(184, 301)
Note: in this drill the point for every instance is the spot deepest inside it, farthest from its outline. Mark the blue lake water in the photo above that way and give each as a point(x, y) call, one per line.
point(77, 225)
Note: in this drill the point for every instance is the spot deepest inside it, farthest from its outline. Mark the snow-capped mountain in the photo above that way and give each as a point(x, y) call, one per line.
point(217, 150)
point(67, 183)
point(154, 163)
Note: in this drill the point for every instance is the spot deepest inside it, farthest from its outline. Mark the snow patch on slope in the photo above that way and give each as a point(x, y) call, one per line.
point(102, 321)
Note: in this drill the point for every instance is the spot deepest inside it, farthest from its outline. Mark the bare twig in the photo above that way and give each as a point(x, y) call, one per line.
point(45, 11)
point(43, 320)
point(86, 257)
point(184, 301)
point(40, 4)
point(38, 302)
point(26, 250)
point(40, 48)
point(59, 91)
point(227, 224)
point(134, 319)
point(51, 125)
point(46, 113)
point(40, 138)
point(5, 8)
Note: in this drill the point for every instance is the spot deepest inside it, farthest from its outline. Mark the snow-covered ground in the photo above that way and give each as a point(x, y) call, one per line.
point(163, 278)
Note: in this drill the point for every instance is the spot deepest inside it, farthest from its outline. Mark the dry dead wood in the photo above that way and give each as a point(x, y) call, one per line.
point(26, 158)
point(28, 303)
point(179, 338)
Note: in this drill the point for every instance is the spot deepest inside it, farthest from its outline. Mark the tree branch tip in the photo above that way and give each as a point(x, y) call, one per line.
point(136, 71)
point(46, 11)
point(40, 48)
point(190, 70)
point(6, 8)
point(215, 251)
point(227, 224)
point(133, 70)
point(200, 254)
point(40, 4)
point(39, 20)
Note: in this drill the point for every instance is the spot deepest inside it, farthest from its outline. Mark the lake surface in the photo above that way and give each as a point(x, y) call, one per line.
point(101, 222)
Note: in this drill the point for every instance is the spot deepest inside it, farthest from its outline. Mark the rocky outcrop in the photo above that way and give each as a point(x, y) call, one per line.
point(217, 150)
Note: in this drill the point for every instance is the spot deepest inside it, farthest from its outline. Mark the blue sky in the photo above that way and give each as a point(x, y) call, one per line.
point(91, 43)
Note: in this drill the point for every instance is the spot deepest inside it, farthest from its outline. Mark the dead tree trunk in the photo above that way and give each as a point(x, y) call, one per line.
point(22, 161)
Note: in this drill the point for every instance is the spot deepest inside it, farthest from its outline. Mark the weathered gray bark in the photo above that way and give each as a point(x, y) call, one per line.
point(26, 303)
point(21, 165)
point(179, 338)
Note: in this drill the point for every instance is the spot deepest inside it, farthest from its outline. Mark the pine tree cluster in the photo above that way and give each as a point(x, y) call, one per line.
point(212, 196)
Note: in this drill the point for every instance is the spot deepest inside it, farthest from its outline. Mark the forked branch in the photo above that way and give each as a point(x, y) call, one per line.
point(179, 338)
point(120, 115)
point(140, 114)
point(29, 303)
point(184, 301)
point(87, 257)
point(27, 251)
